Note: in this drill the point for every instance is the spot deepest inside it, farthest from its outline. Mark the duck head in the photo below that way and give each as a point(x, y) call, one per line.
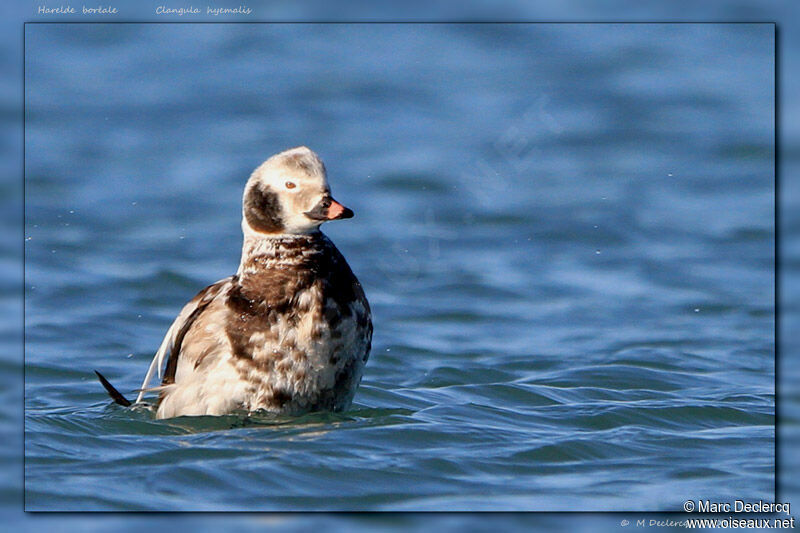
point(289, 194)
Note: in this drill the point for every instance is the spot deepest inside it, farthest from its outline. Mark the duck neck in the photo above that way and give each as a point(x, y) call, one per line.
point(264, 252)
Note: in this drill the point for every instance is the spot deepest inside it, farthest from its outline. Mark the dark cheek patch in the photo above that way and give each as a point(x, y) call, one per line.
point(262, 209)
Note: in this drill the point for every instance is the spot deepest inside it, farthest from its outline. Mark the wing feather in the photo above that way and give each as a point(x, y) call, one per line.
point(171, 343)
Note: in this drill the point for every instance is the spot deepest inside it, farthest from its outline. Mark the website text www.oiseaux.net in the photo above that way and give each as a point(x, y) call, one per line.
point(740, 523)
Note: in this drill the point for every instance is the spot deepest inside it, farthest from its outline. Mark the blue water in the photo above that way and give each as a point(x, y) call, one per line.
point(566, 233)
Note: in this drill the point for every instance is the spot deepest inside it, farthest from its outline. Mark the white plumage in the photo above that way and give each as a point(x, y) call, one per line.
point(291, 331)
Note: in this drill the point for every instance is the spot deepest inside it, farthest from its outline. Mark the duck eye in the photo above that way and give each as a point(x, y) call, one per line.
point(290, 185)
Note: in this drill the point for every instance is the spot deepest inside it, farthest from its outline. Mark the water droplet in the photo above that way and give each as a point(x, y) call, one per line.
point(133, 203)
point(595, 226)
point(597, 252)
point(388, 349)
point(669, 174)
point(129, 355)
point(71, 211)
point(28, 238)
point(696, 309)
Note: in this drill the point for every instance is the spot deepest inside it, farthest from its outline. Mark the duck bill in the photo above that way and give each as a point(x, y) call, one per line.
point(337, 211)
point(329, 209)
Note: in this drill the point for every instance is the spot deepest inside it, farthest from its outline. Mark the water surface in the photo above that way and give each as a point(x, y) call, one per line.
point(566, 233)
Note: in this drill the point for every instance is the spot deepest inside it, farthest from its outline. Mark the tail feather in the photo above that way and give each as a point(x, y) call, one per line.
point(114, 393)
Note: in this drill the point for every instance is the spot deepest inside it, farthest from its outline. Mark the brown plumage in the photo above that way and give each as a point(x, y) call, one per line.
point(291, 331)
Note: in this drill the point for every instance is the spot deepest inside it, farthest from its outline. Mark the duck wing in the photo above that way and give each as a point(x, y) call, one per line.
point(175, 334)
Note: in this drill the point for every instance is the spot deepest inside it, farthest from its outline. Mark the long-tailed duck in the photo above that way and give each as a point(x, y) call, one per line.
point(291, 331)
